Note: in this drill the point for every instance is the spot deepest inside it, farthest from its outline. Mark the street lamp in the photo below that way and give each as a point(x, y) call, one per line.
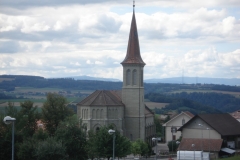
point(208, 139)
point(112, 132)
point(155, 140)
point(9, 120)
point(202, 135)
point(179, 150)
point(193, 145)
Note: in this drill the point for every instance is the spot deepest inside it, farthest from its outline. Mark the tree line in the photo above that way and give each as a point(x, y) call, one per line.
point(179, 104)
point(70, 83)
point(62, 135)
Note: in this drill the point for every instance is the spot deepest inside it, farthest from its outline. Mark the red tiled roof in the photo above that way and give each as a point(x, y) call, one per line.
point(200, 144)
point(133, 55)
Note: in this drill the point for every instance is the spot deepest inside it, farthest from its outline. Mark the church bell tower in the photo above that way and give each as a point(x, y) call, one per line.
point(133, 89)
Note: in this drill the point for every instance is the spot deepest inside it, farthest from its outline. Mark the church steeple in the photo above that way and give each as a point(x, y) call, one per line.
point(133, 55)
point(133, 89)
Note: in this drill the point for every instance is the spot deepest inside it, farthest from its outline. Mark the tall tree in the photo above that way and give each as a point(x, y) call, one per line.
point(27, 119)
point(140, 147)
point(73, 137)
point(54, 111)
point(100, 144)
point(50, 149)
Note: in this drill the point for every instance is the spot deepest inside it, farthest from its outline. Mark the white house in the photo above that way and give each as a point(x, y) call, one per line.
point(176, 122)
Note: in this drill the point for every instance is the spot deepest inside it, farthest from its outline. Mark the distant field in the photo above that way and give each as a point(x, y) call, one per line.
point(236, 94)
point(18, 108)
point(30, 89)
point(6, 79)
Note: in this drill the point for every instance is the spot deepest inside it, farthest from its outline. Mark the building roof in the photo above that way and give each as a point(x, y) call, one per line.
point(223, 123)
point(102, 98)
point(133, 55)
point(236, 114)
point(200, 144)
point(148, 111)
point(187, 113)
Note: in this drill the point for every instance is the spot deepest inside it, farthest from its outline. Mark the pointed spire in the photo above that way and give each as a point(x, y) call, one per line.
point(133, 55)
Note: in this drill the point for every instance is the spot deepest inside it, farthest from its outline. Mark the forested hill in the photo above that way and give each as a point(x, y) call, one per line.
point(199, 97)
point(9, 82)
point(196, 102)
point(223, 102)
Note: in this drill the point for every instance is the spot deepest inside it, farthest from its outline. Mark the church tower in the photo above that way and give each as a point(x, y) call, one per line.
point(133, 89)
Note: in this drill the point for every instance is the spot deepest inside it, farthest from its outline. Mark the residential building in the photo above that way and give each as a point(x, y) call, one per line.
point(176, 122)
point(210, 133)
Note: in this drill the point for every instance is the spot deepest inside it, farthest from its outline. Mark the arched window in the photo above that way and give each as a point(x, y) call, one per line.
point(93, 114)
point(134, 77)
point(82, 113)
point(183, 121)
point(128, 78)
point(97, 129)
point(101, 114)
point(86, 113)
point(141, 79)
point(131, 137)
point(97, 114)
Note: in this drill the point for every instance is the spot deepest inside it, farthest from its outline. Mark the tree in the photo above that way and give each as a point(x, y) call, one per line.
point(139, 147)
point(100, 144)
point(50, 149)
point(26, 150)
point(158, 125)
point(172, 146)
point(54, 111)
point(27, 119)
point(73, 138)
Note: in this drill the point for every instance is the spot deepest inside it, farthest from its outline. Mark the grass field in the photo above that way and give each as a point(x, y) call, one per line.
point(232, 158)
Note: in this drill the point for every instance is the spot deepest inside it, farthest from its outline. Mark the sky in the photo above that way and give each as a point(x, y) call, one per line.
point(64, 38)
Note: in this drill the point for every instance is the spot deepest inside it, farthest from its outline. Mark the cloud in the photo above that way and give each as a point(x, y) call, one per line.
point(90, 38)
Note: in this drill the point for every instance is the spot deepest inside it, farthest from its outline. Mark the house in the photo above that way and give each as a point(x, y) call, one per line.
point(210, 133)
point(176, 122)
point(125, 110)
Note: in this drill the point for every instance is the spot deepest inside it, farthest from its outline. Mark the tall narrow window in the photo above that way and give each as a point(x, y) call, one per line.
point(134, 77)
point(141, 78)
point(93, 114)
point(128, 78)
point(97, 114)
point(101, 114)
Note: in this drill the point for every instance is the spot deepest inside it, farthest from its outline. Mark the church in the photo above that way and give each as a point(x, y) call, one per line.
point(124, 109)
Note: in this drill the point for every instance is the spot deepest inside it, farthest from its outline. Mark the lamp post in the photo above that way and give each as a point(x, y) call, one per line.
point(193, 145)
point(202, 136)
point(112, 132)
point(155, 140)
point(202, 139)
point(173, 130)
point(9, 120)
point(179, 150)
point(208, 139)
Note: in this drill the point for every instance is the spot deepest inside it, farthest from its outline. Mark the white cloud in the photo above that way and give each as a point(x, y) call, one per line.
point(199, 37)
